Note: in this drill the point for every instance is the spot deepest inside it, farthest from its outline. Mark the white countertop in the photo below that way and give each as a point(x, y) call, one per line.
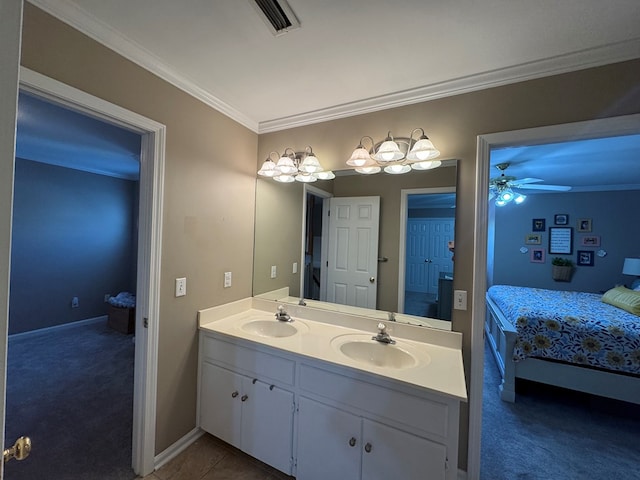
point(439, 366)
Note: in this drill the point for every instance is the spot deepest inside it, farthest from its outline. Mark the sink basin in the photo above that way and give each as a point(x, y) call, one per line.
point(363, 349)
point(273, 328)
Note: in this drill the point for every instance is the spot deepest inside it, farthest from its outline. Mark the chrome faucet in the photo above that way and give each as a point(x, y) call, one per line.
point(283, 316)
point(383, 336)
point(392, 316)
point(302, 302)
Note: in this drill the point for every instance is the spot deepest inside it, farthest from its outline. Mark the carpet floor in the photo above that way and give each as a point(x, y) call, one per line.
point(551, 433)
point(71, 392)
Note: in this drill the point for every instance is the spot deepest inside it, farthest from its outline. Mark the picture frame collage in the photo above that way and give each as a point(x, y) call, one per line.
point(561, 240)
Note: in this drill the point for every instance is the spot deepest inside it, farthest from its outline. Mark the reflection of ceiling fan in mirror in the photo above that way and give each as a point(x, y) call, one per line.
point(505, 188)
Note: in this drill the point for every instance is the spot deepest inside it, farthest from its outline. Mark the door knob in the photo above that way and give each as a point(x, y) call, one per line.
point(372, 279)
point(20, 450)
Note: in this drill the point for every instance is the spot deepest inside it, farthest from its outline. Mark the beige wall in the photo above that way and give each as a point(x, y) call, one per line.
point(208, 199)
point(454, 123)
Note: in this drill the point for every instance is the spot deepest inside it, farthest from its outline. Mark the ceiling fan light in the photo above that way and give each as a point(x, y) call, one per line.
point(500, 203)
point(519, 198)
point(506, 195)
point(423, 150)
point(397, 169)
point(426, 165)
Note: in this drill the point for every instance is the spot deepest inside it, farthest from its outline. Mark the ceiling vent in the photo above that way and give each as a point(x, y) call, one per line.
point(277, 14)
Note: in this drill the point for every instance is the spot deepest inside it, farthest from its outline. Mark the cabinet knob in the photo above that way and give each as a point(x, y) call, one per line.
point(352, 442)
point(234, 394)
point(254, 381)
point(244, 398)
point(367, 447)
point(271, 387)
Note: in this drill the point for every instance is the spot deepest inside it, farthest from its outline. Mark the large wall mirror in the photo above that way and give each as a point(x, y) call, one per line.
point(414, 225)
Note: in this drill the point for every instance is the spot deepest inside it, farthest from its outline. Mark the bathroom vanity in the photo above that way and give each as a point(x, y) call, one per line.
point(318, 398)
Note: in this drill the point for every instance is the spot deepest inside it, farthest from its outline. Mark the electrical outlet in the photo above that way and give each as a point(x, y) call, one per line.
point(274, 271)
point(227, 279)
point(460, 299)
point(75, 303)
point(181, 287)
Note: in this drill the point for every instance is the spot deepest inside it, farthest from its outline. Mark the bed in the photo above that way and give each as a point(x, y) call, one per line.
point(567, 339)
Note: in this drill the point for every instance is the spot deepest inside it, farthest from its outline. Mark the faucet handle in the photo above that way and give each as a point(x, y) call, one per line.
point(382, 327)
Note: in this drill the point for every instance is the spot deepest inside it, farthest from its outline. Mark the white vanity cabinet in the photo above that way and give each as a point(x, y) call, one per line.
point(251, 413)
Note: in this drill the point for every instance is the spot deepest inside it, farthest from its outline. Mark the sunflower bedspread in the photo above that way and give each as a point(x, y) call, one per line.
point(574, 327)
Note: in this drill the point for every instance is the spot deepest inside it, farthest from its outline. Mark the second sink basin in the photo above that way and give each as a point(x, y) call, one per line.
point(363, 349)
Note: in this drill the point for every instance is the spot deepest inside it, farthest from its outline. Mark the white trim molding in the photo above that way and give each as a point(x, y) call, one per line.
point(149, 247)
point(178, 447)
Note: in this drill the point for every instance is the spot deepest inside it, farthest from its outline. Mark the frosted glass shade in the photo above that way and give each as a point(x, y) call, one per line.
point(286, 166)
point(268, 169)
point(306, 177)
point(397, 169)
point(310, 165)
point(423, 150)
point(360, 158)
point(368, 170)
point(426, 165)
point(284, 178)
point(326, 175)
point(388, 152)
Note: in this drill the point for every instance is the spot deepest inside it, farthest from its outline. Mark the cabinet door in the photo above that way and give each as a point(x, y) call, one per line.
point(267, 424)
point(220, 404)
point(328, 443)
point(391, 453)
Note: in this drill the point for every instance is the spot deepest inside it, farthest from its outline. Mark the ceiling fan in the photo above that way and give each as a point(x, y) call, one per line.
point(505, 187)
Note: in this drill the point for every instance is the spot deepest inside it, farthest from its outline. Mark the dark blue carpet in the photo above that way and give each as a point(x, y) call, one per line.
point(552, 433)
point(71, 392)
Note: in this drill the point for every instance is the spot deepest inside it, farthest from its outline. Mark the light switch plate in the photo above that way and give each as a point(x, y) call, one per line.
point(460, 299)
point(227, 279)
point(181, 287)
point(295, 267)
point(274, 271)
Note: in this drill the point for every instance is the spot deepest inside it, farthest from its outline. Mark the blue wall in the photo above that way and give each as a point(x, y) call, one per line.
point(73, 235)
point(615, 219)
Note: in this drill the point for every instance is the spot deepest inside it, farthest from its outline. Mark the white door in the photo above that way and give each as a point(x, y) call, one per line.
point(352, 271)
point(10, 32)
point(427, 252)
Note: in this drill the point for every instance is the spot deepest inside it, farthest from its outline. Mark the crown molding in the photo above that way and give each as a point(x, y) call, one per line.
point(588, 58)
point(69, 13)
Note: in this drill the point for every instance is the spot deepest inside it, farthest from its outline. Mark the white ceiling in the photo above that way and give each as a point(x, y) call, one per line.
point(353, 56)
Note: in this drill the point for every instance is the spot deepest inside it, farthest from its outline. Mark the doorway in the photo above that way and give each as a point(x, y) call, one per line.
point(425, 278)
point(148, 251)
point(575, 131)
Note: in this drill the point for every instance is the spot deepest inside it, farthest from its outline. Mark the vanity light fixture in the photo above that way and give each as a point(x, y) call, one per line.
point(390, 157)
point(294, 166)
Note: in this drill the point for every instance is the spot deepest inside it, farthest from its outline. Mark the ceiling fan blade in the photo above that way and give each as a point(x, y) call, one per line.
point(522, 181)
point(555, 188)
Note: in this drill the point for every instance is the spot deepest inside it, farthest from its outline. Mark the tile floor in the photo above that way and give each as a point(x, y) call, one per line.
point(211, 459)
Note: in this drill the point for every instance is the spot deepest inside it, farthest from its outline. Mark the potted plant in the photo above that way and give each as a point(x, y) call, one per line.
point(562, 269)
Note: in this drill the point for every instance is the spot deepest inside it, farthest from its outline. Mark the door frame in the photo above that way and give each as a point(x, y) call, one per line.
point(607, 127)
point(149, 247)
point(404, 211)
point(318, 192)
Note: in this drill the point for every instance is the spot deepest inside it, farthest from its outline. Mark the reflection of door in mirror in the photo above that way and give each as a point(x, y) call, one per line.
point(314, 243)
point(428, 266)
point(352, 264)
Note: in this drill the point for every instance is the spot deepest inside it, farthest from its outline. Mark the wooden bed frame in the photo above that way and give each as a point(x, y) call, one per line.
point(501, 336)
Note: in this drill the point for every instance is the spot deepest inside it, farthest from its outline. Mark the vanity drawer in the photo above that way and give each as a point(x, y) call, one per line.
point(248, 361)
point(427, 415)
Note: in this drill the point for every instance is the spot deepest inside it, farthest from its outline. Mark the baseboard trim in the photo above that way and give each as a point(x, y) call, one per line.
point(177, 448)
point(57, 328)
point(462, 475)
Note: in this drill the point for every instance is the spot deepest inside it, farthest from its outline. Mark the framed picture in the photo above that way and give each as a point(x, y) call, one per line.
point(539, 225)
point(585, 258)
point(584, 225)
point(590, 241)
point(537, 255)
point(561, 219)
point(561, 240)
point(533, 239)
